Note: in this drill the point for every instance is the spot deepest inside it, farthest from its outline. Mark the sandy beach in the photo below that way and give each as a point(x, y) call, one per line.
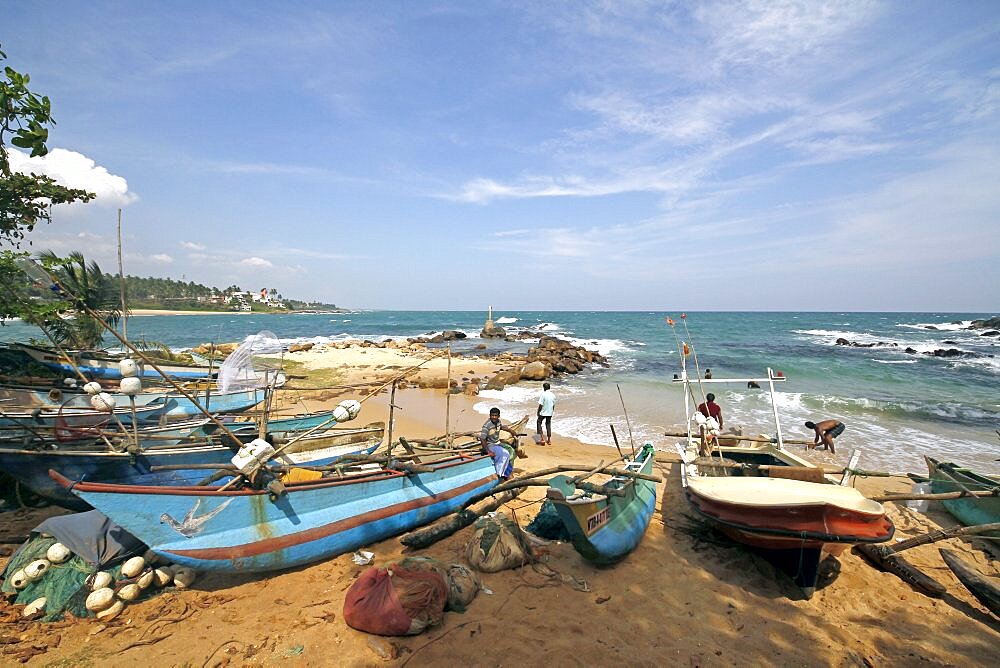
point(685, 596)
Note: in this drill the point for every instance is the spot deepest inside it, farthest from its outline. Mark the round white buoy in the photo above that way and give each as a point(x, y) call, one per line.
point(103, 402)
point(36, 569)
point(19, 580)
point(34, 607)
point(128, 368)
point(133, 567)
point(145, 579)
point(100, 599)
point(69, 382)
point(92, 388)
point(183, 577)
point(163, 575)
point(353, 407)
point(101, 580)
point(340, 414)
point(58, 553)
point(111, 612)
point(130, 386)
point(129, 592)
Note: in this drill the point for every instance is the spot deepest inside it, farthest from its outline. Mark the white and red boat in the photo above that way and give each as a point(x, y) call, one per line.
point(766, 497)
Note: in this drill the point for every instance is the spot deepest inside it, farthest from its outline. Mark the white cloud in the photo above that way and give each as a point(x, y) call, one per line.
point(75, 170)
point(161, 257)
point(255, 262)
point(190, 245)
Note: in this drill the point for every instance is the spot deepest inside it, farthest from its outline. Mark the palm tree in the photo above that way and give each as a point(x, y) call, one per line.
point(88, 291)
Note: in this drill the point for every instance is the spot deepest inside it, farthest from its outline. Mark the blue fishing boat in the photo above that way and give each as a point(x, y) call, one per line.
point(606, 523)
point(210, 528)
point(99, 364)
point(92, 460)
point(971, 510)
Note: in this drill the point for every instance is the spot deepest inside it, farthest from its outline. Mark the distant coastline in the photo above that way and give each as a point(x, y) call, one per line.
point(153, 311)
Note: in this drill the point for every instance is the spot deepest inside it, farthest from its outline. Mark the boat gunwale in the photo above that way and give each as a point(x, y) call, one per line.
point(163, 490)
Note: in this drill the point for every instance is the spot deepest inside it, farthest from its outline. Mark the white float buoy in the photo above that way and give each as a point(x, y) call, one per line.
point(101, 580)
point(353, 407)
point(112, 612)
point(19, 580)
point(128, 368)
point(340, 414)
point(58, 553)
point(34, 607)
point(100, 599)
point(92, 388)
point(103, 402)
point(36, 569)
point(129, 592)
point(145, 579)
point(183, 577)
point(130, 386)
point(163, 575)
point(133, 567)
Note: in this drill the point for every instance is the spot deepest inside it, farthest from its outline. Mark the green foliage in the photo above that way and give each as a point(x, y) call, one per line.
point(89, 297)
point(26, 199)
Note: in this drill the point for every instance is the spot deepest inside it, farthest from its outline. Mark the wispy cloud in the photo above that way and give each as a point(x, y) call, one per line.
point(191, 245)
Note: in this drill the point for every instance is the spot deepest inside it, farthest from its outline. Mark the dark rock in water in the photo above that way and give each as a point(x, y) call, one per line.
point(950, 343)
point(952, 352)
point(493, 332)
point(991, 332)
point(989, 323)
point(449, 335)
point(841, 341)
point(929, 327)
point(910, 350)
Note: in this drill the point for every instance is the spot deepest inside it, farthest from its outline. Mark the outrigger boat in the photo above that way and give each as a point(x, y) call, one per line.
point(99, 364)
point(606, 523)
point(972, 510)
point(215, 528)
point(766, 497)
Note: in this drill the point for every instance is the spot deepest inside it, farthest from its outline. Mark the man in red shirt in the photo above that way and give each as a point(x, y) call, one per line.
point(711, 409)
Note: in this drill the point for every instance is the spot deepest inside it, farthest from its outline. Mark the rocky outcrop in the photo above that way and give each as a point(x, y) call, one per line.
point(989, 323)
point(536, 370)
point(300, 347)
point(491, 331)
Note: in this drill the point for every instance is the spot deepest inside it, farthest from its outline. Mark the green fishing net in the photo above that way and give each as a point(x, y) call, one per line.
point(547, 524)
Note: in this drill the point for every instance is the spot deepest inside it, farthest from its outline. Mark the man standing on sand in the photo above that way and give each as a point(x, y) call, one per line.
point(711, 409)
point(826, 431)
point(546, 406)
point(489, 439)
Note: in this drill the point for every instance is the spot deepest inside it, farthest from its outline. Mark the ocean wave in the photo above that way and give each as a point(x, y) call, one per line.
point(894, 361)
point(505, 321)
point(941, 326)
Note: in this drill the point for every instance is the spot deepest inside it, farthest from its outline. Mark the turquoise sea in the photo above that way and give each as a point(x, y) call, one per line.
point(897, 406)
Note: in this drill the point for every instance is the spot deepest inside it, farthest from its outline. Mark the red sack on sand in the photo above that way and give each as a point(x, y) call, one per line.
point(395, 601)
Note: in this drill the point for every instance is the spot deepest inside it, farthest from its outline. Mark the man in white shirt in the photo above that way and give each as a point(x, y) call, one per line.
point(546, 405)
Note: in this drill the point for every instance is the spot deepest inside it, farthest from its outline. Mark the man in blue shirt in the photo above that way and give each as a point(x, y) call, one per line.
point(546, 406)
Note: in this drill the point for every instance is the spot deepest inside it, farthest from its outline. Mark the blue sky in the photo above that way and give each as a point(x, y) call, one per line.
point(532, 155)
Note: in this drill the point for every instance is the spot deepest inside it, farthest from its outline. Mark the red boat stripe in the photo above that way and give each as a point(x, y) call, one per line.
point(290, 540)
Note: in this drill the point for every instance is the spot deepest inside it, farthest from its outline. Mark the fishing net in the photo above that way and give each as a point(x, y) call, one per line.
point(547, 524)
point(247, 368)
point(396, 600)
point(63, 585)
point(497, 544)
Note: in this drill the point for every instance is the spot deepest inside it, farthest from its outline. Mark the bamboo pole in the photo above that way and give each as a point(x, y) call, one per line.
point(752, 439)
point(447, 401)
point(121, 278)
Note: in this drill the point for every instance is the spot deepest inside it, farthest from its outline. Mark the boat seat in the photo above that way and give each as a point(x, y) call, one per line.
point(805, 473)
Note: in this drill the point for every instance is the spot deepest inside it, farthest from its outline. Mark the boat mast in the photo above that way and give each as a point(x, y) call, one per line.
point(121, 278)
point(774, 406)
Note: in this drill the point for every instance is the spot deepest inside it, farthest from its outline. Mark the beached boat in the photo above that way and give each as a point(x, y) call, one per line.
point(68, 418)
point(92, 460)
point(766, 497)
point(98, 364)
point(604, 527)
point(210, 528)
point(987, 591)
point(970, 511)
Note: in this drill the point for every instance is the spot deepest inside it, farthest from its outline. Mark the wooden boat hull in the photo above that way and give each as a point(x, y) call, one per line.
point(983, 589)
point(242, 530)
point(795, 522)
point(93, 462)
point(604, 529)
point(971, 511)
